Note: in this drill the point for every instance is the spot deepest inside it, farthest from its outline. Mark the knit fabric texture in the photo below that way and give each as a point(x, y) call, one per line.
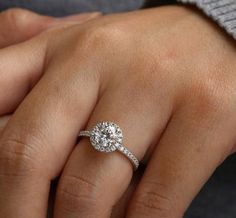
point(221, 11)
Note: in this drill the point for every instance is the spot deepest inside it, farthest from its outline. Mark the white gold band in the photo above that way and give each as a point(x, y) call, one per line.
point(84, 133)
point(129, 155)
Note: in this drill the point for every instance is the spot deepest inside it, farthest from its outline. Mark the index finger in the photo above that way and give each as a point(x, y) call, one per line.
point(38, 138)
point(21, 65)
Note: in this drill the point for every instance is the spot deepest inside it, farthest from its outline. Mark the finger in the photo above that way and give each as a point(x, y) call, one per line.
point(93, 182)
point(70, 20)
point(38, 139)
point(79, 18)
point(189, 151)
point(119, 210)
point(21, 66)
point(18, 25)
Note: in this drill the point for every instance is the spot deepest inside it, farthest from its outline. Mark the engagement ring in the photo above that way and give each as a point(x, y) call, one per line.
point(107, 137)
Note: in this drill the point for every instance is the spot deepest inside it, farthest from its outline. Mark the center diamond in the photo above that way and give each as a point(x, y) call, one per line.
point(106, 136)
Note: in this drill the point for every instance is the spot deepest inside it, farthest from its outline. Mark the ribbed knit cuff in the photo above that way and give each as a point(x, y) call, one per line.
point(222, 11)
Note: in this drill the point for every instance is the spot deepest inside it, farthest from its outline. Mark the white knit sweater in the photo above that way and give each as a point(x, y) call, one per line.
point(221, 11)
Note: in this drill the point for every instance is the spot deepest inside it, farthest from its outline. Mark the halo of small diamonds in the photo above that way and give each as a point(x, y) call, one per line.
point(106, 137)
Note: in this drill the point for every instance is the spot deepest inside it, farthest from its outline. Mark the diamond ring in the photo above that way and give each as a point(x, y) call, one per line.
point(107, 137)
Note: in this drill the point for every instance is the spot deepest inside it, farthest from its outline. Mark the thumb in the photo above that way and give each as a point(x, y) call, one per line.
point(18, 25)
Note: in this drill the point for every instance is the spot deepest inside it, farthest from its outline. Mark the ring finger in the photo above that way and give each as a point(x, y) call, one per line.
point(93, 182)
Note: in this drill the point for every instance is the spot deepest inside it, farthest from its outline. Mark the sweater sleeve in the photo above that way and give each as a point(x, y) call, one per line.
point(221, 11)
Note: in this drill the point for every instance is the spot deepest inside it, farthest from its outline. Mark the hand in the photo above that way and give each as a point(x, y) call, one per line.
point(165, 76)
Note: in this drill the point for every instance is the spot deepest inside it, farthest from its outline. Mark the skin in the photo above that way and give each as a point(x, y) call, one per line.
point(166, 76)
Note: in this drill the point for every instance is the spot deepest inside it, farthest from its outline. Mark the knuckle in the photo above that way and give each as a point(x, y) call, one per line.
point(107, 37)
point(22, 153)
point(211, 98)
point(15, 12)
point(16, 17)
point(76, 193)
point(17, 158)
point(153, 202)
point(100, 43)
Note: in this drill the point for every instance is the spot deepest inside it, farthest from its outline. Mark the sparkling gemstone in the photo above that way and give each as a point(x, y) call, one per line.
point(106, 136)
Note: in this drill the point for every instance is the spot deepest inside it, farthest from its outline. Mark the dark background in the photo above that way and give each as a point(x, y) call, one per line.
point(64, 7)
point(217, 198)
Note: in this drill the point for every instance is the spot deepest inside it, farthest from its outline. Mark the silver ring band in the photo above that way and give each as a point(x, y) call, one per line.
point(107, 137)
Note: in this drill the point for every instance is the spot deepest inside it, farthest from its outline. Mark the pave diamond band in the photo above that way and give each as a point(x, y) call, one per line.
point(107, 137)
